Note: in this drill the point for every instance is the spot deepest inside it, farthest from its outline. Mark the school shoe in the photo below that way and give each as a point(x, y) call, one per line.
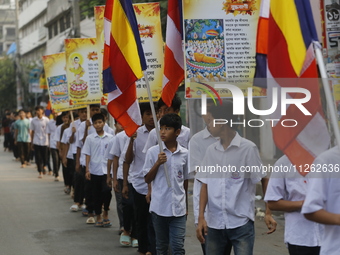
point(90, 220)
point(56, 179)
point(75, 208)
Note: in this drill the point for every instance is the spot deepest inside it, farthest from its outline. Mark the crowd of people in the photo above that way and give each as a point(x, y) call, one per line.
point(150, 180)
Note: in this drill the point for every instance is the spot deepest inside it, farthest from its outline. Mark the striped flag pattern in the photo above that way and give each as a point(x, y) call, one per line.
point(174, 58)
point(123, 63)
point(286, 35)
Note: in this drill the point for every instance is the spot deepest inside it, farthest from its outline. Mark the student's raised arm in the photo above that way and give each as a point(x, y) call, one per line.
point(150, 176)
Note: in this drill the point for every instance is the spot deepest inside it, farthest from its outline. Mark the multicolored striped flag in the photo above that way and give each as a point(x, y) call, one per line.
point(285, 57)
point(174, 58)
point(123, 63)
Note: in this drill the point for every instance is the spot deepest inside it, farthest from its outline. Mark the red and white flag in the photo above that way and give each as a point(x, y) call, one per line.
point(174, 58)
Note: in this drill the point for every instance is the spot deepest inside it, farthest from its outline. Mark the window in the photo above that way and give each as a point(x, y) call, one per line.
point(62, 24)
point(10, 31)
point(68, 20)
point(55, 29)
point(50, 32)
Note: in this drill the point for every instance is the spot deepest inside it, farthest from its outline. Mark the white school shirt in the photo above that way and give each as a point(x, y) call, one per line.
point(95, 146)
point(168, 202)
point(50, 129)
point(73, 146)
point(136, 175)
point(198, 146)
point(231, 195)
point(117, 150)
point(57, 133)
point(323, 192)
point(292, 186)
point(91, 130)
point(65, 140)
point(108, 156)
point(39, 127)
point(182, 139)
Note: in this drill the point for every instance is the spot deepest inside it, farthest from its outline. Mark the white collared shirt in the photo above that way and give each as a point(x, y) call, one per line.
point(231, 195)
point(39, 127)
point(65, 140)
point(91, 130)
point(198, 145)
point(117, 150)
point(292, 186)
point(50, 129)
point(136, 175)
point(95, 146)
point(73, 146)
point(182, 139)
point(323, 192)
point(167, 201)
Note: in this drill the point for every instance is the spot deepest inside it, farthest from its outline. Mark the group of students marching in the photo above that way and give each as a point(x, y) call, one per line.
point(151, 201)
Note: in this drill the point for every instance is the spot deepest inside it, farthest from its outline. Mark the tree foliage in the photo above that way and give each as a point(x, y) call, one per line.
point(7, 84)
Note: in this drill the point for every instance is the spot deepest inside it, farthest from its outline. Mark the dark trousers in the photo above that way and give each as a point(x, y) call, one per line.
point(88, 193)
point(129, 214)
point(79, 186)
point(40, 157)
point(101, 193)
point(24, 151)
point(48, 164)
point(303, 250)
point(145, 231)
point(7, 140)
point(55, 161)
point(119, 205)
point(69, 172)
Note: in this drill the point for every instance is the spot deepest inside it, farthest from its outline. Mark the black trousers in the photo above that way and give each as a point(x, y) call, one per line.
point(101, 193)
point(55, 161)
point(145, 232)
point(69, 172)
point(79, 186)
point(303, 250)
point(40, 157)
point(24, 151)
point(129, 217)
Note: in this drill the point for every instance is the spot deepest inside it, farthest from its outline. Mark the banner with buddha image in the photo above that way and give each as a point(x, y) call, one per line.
point(220, 45)
point(55, 74)
point(82, 71)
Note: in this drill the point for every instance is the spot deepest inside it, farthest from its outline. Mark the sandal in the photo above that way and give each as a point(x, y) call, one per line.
point(85, 212)
point(125, 240)
point(99, 224)
point(107, 223)
point(134, 243)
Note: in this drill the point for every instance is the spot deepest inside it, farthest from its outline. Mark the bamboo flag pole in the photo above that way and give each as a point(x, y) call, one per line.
point(156, 126)
point(328, 93)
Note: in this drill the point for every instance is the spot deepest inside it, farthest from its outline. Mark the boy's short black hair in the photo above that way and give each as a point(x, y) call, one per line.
point(98, 116)
point(38, 107)
point(171, 120)
point(104, 112)
point(144, 107)
point(94, 106)
point(75, 115)
point(65, 113)
point(175, 103)
point(21, 110)
point(82, 109)
point(224, 111)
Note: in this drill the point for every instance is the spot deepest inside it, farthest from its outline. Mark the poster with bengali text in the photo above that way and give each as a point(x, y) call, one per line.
point(82, 71)
point(150, 30)
point(220, 45)
point(99, 22)
point(55, 74)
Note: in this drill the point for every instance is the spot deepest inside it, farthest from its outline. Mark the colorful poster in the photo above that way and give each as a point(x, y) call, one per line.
point(220, 44)
point(82, 71)
point(99, 22)
point(150, 30)
point(55, 74)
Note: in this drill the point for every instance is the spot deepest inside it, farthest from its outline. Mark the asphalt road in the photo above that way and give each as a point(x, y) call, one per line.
point(35, 220)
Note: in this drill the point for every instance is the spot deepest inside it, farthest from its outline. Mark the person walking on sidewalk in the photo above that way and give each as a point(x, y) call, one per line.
point(22, 137)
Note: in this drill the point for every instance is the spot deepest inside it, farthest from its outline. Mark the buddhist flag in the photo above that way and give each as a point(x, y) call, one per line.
point(285, 56)
point(174, 58)
point(123, 63)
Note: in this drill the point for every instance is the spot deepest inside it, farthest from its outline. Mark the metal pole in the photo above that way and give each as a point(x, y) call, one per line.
point(76, 18)
point(19, 91)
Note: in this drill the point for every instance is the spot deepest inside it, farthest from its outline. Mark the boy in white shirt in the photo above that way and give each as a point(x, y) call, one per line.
point(50, 130)
point(95, 149)
point(322, 203)
point(286, 192)
point(183, 138)
point(168, 204)
point(39, 139)
point(229, 195)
